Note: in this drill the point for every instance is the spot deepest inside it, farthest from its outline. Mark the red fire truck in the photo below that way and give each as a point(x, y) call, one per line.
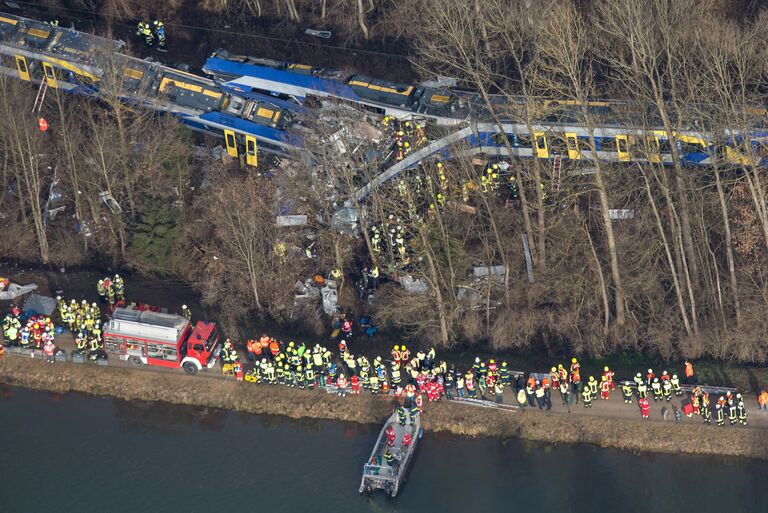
point(167, 340)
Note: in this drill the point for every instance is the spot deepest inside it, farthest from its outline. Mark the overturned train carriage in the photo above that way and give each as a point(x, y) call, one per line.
point(76, 62)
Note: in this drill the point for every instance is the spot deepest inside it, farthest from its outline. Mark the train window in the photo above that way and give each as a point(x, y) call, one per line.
point(499, 139)
point(558, 145)
point(520, 141)
point(687, 148)
point(621, 142)
point(541, 143)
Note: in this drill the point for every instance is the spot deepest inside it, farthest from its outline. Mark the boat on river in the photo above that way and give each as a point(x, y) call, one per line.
point(378, 474)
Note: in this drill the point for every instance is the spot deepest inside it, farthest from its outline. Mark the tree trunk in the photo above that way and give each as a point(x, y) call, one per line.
point(361, 19)
point(728, 246)
point(668, 253)
point(611, 239)
point(442, 316)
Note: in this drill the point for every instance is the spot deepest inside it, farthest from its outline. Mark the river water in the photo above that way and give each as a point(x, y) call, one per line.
point(74, 453)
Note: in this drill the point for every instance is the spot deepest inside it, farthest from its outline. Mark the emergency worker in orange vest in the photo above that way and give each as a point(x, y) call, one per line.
point(274, 347)
point(689, 372)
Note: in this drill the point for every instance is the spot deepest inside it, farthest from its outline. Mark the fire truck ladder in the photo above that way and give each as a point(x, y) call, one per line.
point(40, 97)
point(557, 164)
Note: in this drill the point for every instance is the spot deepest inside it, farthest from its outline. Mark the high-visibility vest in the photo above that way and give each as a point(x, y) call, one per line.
point(274, 347)
point(605, 386)
point(688, 370)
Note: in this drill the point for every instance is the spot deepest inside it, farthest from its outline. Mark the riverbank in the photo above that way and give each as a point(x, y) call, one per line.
point(210, 391)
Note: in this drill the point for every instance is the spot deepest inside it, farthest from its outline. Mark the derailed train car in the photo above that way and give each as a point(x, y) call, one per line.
point(80, 63)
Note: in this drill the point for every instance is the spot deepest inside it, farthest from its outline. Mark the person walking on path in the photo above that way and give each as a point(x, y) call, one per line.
point(567, 395)
point(645, 407)
point(50, 351)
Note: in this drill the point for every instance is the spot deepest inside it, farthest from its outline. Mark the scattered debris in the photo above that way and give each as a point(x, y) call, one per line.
point(621, 213)
point(494, 270)
point(330, 299)
point(111, 203)
point(9, 291)
point(441, 82)
point(291, 220)
point(325, 34)
point(415, 286)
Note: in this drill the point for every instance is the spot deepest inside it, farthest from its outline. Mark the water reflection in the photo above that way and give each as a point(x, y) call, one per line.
point(153, 457)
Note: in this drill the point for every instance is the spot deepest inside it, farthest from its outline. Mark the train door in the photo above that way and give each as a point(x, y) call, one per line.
point(231, 143)
point(622, 147)
point(540, 140)
point(251, 157)
point(21, 65)
point(654, 151)
point(50, 75)
point(572, 142)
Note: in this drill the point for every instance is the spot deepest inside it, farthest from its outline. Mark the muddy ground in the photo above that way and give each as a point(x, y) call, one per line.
point(211, 391)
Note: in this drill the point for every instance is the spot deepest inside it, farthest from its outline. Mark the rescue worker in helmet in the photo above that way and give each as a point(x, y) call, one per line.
point(145, 31)
point(159, 30)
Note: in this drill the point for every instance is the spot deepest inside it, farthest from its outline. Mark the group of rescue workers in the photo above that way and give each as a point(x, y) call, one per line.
point(410, 377)
point(152, 32)
point(416, 377)
point(408, 135)
point(111, 290)
point(568, 382)
point(84, 322)
point(32, 332)
point(428, 190)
